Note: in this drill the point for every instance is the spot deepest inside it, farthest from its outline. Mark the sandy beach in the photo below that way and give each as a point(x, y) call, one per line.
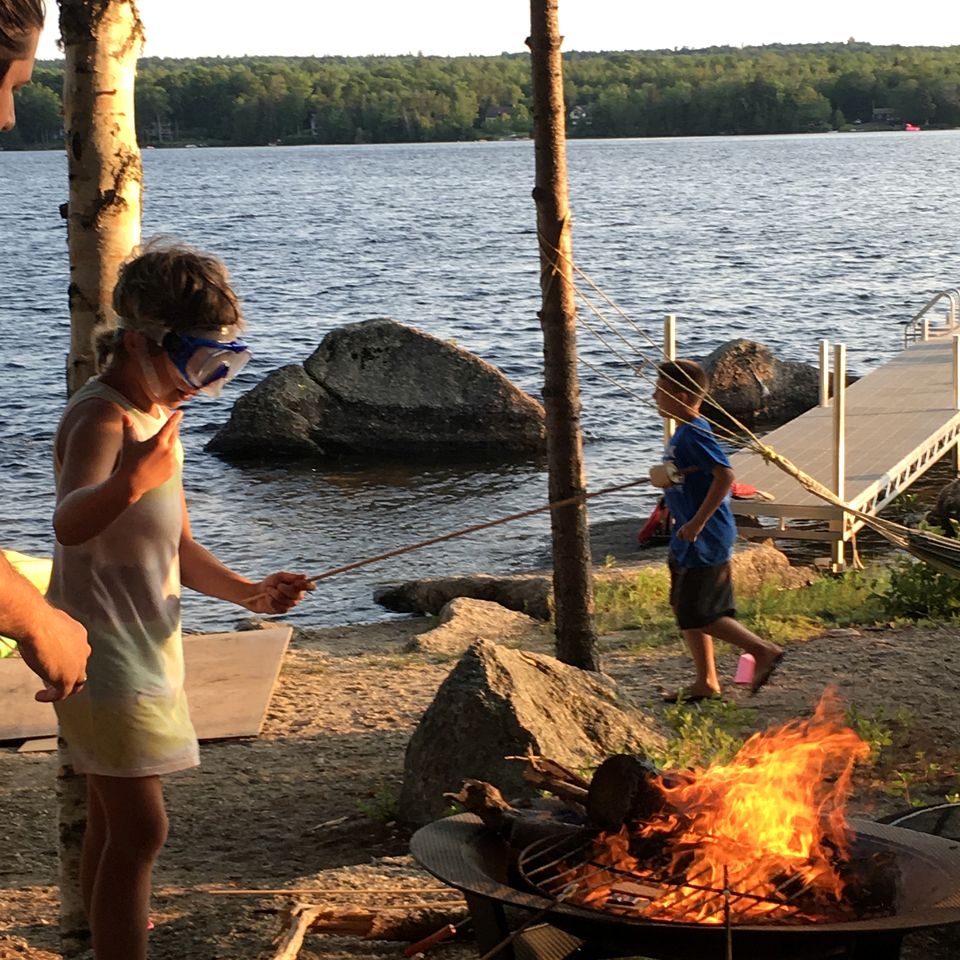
point(308, 803)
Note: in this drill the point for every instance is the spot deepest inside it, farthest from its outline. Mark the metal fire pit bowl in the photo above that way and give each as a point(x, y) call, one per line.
point(461, 852)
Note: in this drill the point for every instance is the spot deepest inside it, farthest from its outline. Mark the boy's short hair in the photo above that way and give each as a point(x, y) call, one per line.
point(18, 20)
point(685, 375)
point(168, 286)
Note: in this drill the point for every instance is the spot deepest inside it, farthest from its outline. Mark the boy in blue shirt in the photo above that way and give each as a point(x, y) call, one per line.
point(696, 478)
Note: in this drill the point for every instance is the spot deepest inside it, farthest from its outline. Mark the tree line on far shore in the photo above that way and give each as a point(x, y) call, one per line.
point(720, 90)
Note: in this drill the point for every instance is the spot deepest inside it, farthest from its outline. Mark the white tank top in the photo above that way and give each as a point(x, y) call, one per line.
point(131, 719)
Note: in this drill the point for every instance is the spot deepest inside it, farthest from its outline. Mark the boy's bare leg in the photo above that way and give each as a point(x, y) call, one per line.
point(700, 645)
point(764, 652)
point(136, 828)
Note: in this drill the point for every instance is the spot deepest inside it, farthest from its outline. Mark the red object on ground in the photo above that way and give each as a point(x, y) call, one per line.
point(657, 525)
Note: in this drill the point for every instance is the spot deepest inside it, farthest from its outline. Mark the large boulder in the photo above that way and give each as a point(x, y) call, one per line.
point(464, 621)
point(382, 388)
point(946, 512)
point(499, 702)
point(749, 382)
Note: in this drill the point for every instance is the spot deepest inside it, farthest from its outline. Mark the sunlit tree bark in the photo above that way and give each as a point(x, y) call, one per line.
point(572, 581)
point(102, 41)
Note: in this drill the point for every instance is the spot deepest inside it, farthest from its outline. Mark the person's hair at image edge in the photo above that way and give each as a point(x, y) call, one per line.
point(18, 20)
point(685, 375)
point(169, 286)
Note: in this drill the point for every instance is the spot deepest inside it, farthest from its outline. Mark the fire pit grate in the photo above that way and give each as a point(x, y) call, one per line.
point(461, 852)
point(567, 868)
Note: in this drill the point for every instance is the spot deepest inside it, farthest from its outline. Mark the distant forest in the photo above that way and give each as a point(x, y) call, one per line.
point(720, 90)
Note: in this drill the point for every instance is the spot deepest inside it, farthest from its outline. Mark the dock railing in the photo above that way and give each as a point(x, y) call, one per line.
point(919, 327)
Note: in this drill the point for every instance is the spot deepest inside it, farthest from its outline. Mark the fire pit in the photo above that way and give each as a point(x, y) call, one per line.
point(748, 857)
point(460, 851)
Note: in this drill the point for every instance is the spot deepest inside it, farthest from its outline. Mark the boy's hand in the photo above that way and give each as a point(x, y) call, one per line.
point(689, 531)
point(279, 592)
point(150, 463)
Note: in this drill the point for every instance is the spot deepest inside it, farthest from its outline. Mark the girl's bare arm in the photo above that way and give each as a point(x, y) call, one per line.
point(105, 468)
point(202, 571)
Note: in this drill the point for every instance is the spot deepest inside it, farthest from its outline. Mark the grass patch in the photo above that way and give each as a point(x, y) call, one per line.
point(382, 806)
point(831, 601)
point(640, 603)
point(711, 731)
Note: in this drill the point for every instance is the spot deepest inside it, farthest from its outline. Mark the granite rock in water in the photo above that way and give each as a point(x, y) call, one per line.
point(382, 388)
point(749, 382)
point(498, 702)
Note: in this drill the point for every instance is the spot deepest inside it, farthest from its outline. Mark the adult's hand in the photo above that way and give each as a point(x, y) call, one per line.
point(56, 650)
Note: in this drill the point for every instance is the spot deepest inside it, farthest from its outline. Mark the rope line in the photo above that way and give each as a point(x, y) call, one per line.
point(937, 550)
point(420, 544)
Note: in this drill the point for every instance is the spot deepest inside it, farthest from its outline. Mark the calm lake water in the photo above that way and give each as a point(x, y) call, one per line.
point(781, 239)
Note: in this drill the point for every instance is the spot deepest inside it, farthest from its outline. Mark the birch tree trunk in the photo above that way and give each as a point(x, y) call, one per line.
point(572, 580)
point(102, 41)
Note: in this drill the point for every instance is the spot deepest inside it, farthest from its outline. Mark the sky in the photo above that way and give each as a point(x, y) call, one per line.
point(233, 28)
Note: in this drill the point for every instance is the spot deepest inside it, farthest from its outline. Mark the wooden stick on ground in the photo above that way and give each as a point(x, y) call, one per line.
point(388, 923)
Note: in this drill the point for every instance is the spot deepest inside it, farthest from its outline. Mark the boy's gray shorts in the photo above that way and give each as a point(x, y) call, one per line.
point(700, 595)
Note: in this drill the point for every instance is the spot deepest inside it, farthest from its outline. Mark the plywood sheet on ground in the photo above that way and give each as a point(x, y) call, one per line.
point(230, 679)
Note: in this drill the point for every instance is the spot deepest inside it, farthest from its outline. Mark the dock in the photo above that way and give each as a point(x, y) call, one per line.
point(892, 425)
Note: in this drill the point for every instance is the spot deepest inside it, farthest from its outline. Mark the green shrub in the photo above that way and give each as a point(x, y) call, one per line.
point(919, 591)
point(710, 731)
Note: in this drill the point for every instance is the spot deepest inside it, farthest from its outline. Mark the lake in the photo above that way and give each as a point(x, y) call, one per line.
point(781, 239)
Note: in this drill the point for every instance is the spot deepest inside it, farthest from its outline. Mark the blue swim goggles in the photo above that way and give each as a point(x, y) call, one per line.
point(206, 365)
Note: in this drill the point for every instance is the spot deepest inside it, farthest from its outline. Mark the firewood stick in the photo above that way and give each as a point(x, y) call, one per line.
point(552, 769)
point(410, 924)
point(321, 892)
point(420, 544)
point(299, 920)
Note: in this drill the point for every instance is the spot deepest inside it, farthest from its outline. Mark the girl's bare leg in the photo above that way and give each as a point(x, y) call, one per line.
point(94, 838)
point(136, 828)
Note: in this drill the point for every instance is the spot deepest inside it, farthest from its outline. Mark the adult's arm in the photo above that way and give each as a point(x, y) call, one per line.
point(53, 645)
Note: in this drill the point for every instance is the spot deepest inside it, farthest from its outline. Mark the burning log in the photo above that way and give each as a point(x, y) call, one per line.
point(763, 837)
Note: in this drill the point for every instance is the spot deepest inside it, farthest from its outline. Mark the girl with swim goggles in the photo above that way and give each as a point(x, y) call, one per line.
point(207, 363)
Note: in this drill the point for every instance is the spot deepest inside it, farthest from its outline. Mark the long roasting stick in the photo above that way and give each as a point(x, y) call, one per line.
point(556, 505)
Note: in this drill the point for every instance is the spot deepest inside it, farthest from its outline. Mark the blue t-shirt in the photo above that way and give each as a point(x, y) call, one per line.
point(694, 450)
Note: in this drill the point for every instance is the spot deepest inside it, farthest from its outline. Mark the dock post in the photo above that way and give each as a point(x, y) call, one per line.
point(824, 373)
point(955, 452)
point(839, 446)
point(669, 353)
point(925, 328)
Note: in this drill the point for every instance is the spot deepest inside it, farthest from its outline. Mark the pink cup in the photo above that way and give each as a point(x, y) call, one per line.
point(745, 668)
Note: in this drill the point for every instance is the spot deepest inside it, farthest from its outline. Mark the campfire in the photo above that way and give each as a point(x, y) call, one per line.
point(752, 858)
point(761, 838)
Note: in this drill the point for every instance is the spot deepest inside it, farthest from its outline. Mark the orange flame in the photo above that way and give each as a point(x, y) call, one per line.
point(770, 826)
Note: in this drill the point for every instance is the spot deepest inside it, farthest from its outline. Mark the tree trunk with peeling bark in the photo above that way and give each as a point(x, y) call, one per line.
point(102, 41)
point(572, 580)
